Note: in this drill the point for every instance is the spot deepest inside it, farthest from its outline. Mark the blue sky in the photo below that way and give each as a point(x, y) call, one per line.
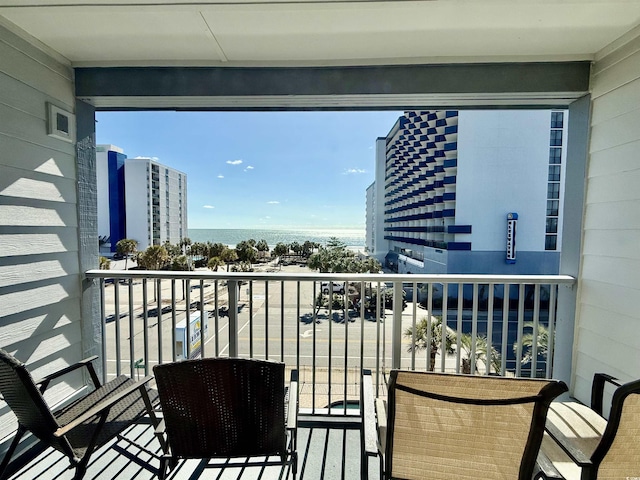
point(260, 169)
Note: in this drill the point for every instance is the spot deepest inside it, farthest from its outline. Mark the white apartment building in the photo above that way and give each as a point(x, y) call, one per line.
point(370, 227)
point(139, 198)
point(470, 191)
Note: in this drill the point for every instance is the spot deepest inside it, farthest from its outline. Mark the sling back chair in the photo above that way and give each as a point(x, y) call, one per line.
point(79, 428)
point(600, 448)
point(227, 408)
point(444, 426)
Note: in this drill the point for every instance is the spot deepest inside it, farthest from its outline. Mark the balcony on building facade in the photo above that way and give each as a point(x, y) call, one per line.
point(152, 317)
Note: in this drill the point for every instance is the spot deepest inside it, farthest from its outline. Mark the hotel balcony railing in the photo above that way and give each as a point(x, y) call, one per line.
point(271, 315)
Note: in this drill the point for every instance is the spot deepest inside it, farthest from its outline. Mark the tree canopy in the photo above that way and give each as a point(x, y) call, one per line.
point(153, 258)
point(336, 258)
point(246, 251)
point(280, 249)
point(126, 247)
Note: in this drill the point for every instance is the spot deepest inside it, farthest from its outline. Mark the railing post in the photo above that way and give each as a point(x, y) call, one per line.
point(233, 290)
point(396, 332)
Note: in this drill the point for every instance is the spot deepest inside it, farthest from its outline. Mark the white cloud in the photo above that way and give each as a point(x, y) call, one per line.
point(220, 176)
point(249, 167)
point(273, 202)
point(234, 162)
point(354, 171)
point(208, 206)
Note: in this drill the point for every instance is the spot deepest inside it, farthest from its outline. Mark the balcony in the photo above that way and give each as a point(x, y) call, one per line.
point(271, 315)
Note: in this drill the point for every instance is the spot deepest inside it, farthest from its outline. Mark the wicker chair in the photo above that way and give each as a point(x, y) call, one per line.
point(443, 426)
point(227, 408)
point(598, 448)
point(80, 427)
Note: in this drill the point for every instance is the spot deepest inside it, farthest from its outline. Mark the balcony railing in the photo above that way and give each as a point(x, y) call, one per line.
point(151, 317)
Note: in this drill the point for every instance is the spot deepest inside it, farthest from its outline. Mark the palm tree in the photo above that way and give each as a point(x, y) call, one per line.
point(307, 248)
point(262, 247)
point(228, 256)
point(126, 247)
point(153, 258)
point(280, 249)
point(216, 249)
point(434, 330)
point(105, 263)
point(542, 344)
point(295, 247)
point(215, 263)
point(481, 350)
point(246, 252)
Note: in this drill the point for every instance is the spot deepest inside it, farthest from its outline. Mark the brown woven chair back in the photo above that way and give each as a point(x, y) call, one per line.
point(222, 407)
point(444, 426)
point(23, 396)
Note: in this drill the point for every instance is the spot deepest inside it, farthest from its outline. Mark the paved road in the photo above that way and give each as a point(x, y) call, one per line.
point(272, 326)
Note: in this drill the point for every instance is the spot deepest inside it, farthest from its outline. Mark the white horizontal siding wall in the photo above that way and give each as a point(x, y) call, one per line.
point(608, 326)
point(40, 294)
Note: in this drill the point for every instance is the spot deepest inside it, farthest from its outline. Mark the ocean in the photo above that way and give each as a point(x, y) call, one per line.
point(353, 238)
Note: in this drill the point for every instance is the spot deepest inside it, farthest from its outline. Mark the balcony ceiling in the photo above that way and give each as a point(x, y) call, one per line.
point(329, 32)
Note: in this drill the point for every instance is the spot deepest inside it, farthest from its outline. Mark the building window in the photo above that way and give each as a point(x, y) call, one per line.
point(553, 179)
point(557, 119)
point(550, 242)
point(556, 138)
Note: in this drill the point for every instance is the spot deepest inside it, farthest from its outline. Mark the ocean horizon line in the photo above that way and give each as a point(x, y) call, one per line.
point(351, 237)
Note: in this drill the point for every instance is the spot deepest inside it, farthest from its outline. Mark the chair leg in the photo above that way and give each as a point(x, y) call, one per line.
point(14, 444)
point(81, 469)
point(162, 471)
point(294, 464)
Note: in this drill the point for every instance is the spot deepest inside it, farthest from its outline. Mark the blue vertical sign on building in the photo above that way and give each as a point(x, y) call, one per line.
point(512, 220)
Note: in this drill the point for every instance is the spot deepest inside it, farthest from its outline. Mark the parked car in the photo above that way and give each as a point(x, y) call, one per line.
point(338, 287)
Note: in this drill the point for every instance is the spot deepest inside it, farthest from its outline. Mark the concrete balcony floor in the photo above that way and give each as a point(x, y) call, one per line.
point(327, 450)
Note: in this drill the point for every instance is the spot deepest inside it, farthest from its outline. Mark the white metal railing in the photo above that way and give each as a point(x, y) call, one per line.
point(275, 316)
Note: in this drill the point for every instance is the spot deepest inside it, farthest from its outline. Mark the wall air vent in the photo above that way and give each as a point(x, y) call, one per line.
point(60, 123)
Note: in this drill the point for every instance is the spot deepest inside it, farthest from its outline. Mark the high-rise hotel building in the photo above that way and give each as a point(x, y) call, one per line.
point(139, 198)
point(472, 191)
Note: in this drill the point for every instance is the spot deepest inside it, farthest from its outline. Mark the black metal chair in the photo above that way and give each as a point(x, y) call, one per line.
point(227, 408)
point(79, 428)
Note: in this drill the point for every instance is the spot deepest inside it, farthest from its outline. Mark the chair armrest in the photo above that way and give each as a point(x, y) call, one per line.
point(577, 429)
point(292, 405)
point(105, 405)
point(370, 437)
point(44, 382)
point(545, 470)
point(597, 390)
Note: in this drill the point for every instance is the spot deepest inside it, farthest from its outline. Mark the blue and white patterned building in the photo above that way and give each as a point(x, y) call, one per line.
point(447, 181)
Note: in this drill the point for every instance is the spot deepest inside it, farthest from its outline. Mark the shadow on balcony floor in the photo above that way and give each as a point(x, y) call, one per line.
point(326, 450)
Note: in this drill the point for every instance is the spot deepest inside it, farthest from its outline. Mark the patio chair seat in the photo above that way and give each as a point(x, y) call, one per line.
point(120, 416)
point(79, 428)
